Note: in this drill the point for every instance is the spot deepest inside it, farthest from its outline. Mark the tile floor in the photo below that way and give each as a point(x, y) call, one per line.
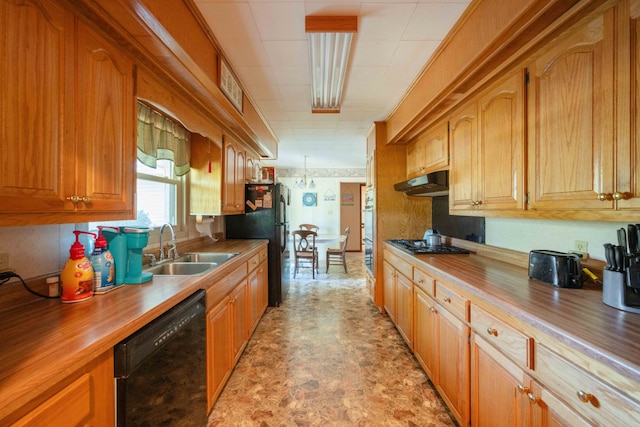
point(328, 357)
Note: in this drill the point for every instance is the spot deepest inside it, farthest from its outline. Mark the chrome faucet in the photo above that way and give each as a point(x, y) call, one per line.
point(173, 251)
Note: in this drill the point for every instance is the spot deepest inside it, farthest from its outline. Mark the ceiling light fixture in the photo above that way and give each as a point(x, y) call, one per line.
point(302, 183)
point(329, 44)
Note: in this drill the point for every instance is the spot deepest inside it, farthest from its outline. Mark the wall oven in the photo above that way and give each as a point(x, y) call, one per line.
point(367, 238)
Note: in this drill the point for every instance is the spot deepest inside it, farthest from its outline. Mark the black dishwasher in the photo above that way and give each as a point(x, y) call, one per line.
point(160, 370)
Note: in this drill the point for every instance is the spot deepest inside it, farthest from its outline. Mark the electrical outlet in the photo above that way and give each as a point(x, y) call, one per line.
point(4, 261)
point(581, 246)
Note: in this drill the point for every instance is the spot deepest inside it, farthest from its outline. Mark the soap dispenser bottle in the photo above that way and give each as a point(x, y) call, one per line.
point(77, 274)
point(104, 271)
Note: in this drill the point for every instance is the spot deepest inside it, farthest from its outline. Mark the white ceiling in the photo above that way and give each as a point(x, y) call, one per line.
point(266, 45)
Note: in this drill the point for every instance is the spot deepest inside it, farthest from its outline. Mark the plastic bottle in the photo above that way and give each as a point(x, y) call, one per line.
point(104, 270)
point(77, 274)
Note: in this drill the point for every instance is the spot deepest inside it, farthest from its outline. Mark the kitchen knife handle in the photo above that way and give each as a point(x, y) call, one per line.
point(622, 239)
point(632, 238)
point(609, 256)
point(620, 258)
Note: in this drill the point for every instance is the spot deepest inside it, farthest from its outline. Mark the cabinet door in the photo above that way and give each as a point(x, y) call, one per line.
point(390, 290)
point(546, 410)
point(498, 395)
point(453, 364)
point(205, 176)
point(254, 300)
point(233, 177)
point(240, 319)
point(425, 345)
point(463, 174)
point(416, 158)
point(404, 306)
point(501, 145)
point(230, 154)
point(263, 274)
point(219, 361)
point(571, 119)
point(371, 170)
point(36, 75)
point(105, 136)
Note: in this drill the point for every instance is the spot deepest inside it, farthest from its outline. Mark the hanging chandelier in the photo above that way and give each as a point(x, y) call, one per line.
point(302, 182)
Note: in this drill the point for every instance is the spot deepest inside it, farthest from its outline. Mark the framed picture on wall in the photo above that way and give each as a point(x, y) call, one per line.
point(309, 199)
point(229, 84)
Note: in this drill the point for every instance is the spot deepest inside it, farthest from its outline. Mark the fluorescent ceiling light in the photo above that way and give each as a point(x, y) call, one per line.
point(329, 45)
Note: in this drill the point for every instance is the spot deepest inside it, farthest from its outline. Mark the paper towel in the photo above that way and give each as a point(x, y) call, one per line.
point(203, 225)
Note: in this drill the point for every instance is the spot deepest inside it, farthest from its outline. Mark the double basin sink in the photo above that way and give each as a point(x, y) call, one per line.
point(191, 264)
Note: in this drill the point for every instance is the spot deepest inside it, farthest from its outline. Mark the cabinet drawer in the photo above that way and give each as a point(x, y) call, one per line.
point(69, 407)
point(508, 340)
point(254, 261)
point(452, 301)
point(424, 281)
point(599, 403)
point(399, 264)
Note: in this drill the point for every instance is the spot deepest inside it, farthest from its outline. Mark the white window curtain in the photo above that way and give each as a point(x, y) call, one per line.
point(162, 138)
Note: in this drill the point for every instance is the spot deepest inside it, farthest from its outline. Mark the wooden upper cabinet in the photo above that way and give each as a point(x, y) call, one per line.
point(571, 109)
point(68, 108)
point(463, 173)
point(104, 121)
point(429, 152)
point(253, 170)
point(36, 81)
point(206, 176)
point(233, 177)
point(487, 149)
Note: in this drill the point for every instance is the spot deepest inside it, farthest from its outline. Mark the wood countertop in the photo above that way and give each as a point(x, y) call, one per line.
point(576, 318)
point(43, 341)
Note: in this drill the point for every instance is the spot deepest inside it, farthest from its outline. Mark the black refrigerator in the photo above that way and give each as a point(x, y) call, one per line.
point(265, 217)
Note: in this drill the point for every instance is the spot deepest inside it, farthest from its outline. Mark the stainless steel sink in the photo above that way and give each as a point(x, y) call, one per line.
point(213, 257)
point(182, 268)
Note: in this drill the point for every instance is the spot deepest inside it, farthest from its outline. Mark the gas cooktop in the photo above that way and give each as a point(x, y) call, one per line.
point(417, 247)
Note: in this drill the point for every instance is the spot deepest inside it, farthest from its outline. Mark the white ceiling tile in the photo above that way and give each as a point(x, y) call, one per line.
point(265, 43)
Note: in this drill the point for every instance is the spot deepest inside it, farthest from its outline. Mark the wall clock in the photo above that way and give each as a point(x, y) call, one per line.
point(309, 199)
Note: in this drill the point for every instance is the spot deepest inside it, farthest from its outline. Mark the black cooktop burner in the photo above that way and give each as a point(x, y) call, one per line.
point(417, 247)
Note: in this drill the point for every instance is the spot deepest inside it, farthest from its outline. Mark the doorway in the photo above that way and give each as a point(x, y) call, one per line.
point(351, 213)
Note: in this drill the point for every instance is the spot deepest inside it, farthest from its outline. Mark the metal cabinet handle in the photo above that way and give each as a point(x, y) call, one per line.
point(492, 331)
point(447, 299)
point(86, 199)
point(533, 398)
point(432, 309)
point(523, 389)
point(605, 196)
point(74, 198)
point(584, 397)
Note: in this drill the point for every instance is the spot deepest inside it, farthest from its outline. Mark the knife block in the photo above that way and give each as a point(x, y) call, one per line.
point(617, 294)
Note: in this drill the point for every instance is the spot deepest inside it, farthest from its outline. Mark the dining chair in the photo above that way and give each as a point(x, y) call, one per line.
point(305, 252)
point(309, 227)
point(337, 256)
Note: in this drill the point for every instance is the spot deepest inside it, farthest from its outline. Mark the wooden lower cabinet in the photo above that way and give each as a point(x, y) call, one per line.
point(404, 308)
point(243, 298)
point(219, 362)
point(498, 396)
point(425, 343)
point(453, 363)
point(390, 290)
point(88, 400)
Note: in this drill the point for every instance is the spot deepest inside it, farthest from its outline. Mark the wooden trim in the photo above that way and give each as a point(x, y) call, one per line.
point(331, 24)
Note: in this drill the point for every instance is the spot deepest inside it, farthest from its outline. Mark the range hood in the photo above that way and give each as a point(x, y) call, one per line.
point(429, 185)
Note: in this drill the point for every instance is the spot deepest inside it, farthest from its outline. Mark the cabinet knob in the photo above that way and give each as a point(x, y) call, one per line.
point(533, 398)
point(523, 389)
point(447, 299)
point(479, 202)
point(74, 199)
point(421, 281)
point(432, 309)
point(492, 331)
point(621, 196)
point(584, 397)
point(86, 199)
point(605, 196)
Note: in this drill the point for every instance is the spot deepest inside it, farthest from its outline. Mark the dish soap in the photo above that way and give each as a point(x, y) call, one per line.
point(77, 274)
point(104, 270)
